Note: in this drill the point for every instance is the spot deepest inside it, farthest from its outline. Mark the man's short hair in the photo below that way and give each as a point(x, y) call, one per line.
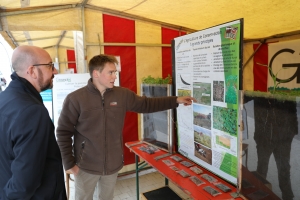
point(98, 62)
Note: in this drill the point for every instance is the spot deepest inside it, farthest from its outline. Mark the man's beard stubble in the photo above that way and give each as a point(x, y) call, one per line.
point(44, 85)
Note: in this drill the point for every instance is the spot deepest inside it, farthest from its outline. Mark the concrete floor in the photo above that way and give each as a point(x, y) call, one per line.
point(126, 186)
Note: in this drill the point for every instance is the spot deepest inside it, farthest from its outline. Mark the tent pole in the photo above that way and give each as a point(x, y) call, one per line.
point(36, 10)
point(84, 39)
point(135, 17)
point(261, 43)
point(128, 44)
point(12, 38)
point(43, 38)
point(61, 46)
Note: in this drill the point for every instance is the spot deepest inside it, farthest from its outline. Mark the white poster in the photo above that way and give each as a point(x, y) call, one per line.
point(284, 62)
point(63, 84)
point(47, 100)
point(207, 67)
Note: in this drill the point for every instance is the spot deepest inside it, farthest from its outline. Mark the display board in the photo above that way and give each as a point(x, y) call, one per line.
point(63, 84)
point(157, 127)
point(47, 100)
point(207, 65)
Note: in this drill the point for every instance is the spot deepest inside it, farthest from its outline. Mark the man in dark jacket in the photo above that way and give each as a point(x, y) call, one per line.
point(30, 160)
point(95, 115)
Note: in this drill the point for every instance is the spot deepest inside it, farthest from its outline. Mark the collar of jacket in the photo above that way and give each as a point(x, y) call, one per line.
point(93, 88)
point(27, 86)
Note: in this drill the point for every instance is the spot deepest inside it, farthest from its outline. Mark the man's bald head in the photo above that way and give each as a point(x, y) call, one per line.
point(35, 65)
point(25, 56)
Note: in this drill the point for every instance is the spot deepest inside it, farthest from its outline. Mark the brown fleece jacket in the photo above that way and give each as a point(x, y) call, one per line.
point(96, 125)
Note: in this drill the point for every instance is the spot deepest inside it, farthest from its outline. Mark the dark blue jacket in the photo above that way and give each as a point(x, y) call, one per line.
point(30, 160)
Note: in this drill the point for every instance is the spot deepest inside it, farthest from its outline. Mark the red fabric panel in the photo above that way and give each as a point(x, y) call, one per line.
point(167, 36)
point(116, 30)
point(71, 57)
point(260, 73)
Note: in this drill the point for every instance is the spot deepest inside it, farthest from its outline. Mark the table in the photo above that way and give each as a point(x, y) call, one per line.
point(185, 184)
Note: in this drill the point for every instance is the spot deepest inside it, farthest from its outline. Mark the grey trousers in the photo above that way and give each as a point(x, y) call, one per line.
point(85, 184)
point(281, 151)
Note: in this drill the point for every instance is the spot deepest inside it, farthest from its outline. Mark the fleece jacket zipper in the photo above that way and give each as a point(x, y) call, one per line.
point(104, 164)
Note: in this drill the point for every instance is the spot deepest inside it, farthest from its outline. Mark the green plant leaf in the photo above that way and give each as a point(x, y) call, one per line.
point(151, 80)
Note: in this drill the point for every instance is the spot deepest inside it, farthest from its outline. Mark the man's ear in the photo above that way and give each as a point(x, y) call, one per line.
point(95, 74)
point(32, 72)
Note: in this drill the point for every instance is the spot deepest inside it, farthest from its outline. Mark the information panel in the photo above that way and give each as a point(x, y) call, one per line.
point(206, 65)
point(47, 100)
point(63, 84)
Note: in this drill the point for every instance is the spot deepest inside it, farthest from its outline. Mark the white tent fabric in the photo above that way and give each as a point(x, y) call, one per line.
point(262, 18)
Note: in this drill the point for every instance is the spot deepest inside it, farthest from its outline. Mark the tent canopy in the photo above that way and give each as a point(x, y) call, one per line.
point(262, 19)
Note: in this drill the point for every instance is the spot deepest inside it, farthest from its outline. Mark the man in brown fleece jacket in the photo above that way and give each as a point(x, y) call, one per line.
point(94, 115)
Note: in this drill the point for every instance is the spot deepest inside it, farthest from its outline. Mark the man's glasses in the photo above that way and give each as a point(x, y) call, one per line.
point(49, 65)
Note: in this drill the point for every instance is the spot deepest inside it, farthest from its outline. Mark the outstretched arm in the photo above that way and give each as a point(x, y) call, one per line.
point(186, 100)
